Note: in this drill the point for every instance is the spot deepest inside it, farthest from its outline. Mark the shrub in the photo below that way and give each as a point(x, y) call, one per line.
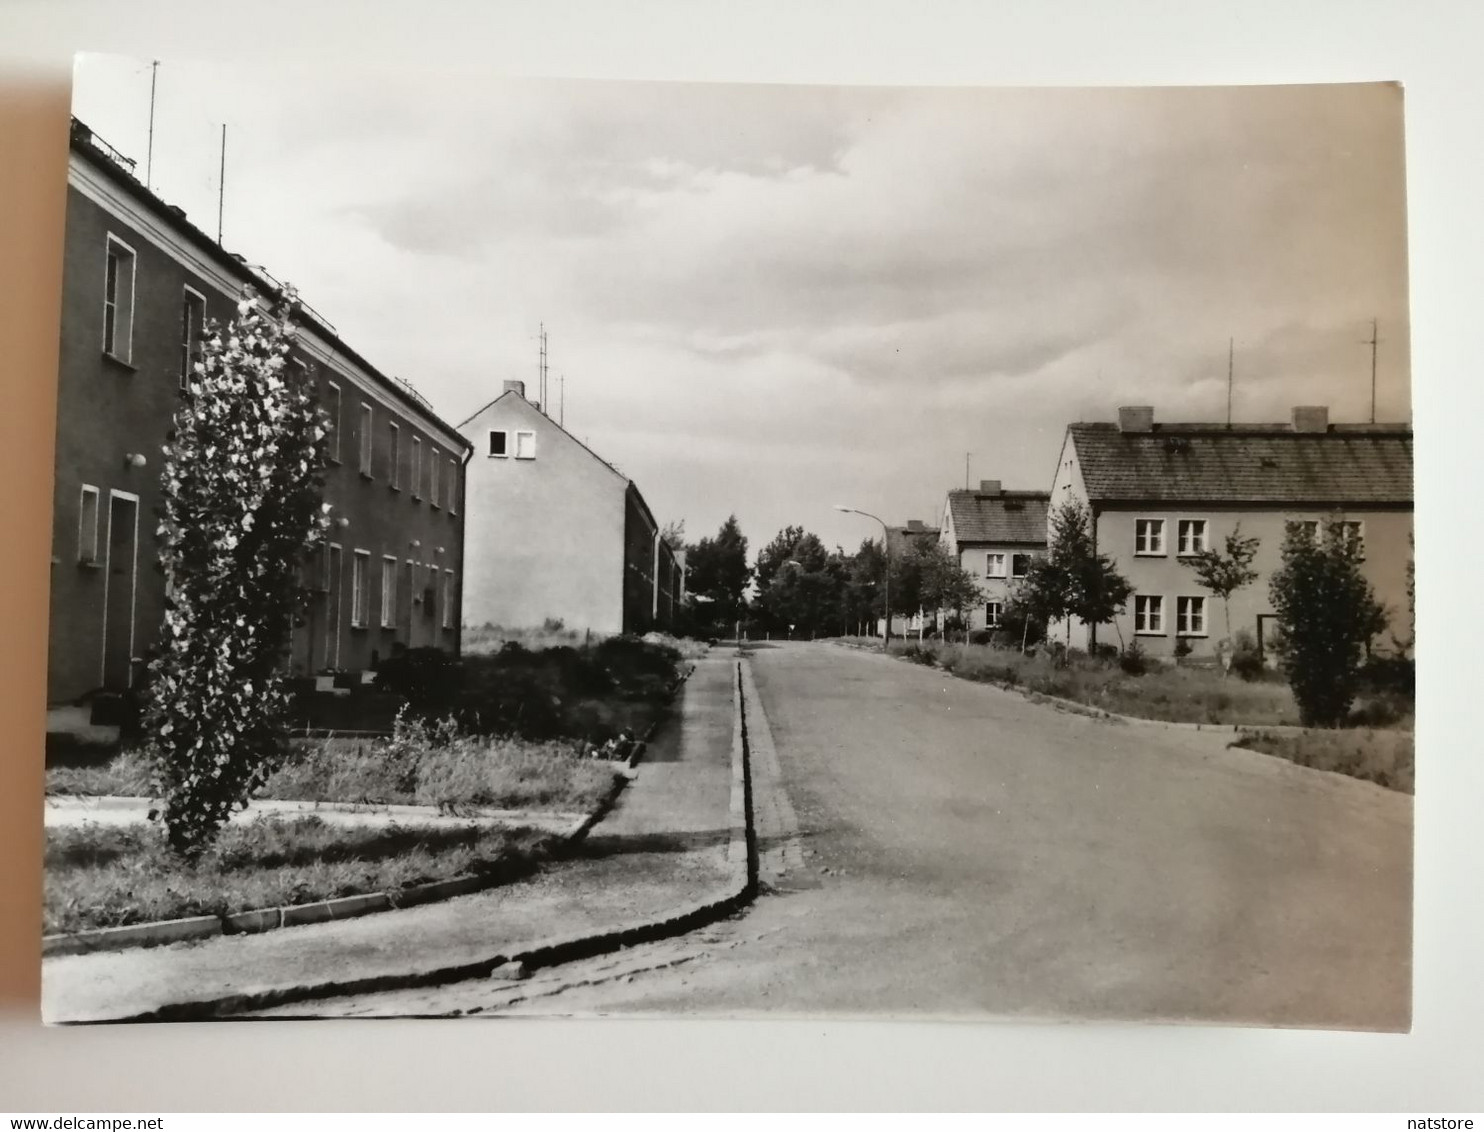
point(980, 637)
point(1134, 660)
point(1246, 659)
point(1182, 648)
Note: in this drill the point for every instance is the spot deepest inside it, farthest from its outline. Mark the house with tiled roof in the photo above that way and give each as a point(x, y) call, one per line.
point(555, 532)
point(994, 534)
point(1160, 494)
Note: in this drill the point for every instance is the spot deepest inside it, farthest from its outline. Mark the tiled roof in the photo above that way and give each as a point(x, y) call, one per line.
point(1011, 516)
point(1246, 464)
point(902, 539)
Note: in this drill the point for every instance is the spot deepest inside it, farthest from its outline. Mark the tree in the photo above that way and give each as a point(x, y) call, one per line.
point(1073, 580)
point(774, 555)
point(673, 534)
point(1223, 573)
point(718, 572)
point(800, 585)
point(943, 581)
point(1327, 615)
point(241, 488)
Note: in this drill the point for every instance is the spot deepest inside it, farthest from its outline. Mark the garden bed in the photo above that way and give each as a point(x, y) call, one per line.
point(1387, 758)
point(103, 877)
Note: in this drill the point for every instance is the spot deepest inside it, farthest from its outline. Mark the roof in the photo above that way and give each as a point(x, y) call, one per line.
point(1009, 516)
point(472, 417)
point(1345, 464)
point(902, 539)
point(109, 161)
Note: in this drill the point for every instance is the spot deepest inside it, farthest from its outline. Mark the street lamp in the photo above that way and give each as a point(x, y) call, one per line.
point(886, 550)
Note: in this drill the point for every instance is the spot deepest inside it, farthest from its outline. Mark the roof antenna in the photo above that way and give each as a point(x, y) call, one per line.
point(966, 470)
point(221, 186)
point(1373, 341)
point(149, 153)
point(1231, 346)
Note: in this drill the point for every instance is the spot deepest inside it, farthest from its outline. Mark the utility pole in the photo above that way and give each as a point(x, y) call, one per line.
point(1373, 342)
point(1231, 346)
point(221, 185)
point(149, 153)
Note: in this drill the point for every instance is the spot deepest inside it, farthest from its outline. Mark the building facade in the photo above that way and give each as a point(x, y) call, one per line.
point(994, 534)
point(139, 284)
point(1161, 493)
point(556, 533)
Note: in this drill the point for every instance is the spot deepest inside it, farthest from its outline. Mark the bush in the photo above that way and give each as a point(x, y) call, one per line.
point(1134, 660)
point(980, 637)
point(1396, 675)
point(1246, 659)
point(1103, 651)
point(1182, 648)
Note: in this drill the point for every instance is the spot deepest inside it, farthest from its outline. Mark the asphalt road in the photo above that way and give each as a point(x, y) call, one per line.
point(934, 847)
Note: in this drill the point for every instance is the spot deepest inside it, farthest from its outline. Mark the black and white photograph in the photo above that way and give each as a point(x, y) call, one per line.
point(572, 548)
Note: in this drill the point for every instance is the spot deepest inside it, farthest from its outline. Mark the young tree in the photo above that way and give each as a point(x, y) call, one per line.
point(1222, 573)
point(1327, 615)
point(1073, 580)
point(673, 534)
point(241, 487)
point(945, 584)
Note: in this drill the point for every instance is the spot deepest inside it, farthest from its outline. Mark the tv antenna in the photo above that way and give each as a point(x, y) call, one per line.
point(1373, 341)
point(149, 153)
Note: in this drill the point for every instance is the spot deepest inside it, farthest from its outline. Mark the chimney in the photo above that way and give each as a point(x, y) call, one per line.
point(989, 487)
point(1136, 418)
point(1311, 418)
point(916, 526)
point(516, 387)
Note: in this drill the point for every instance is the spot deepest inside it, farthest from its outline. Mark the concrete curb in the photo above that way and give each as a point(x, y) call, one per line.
point(739, 890)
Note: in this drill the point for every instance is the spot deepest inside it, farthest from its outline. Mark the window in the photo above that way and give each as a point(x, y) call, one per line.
point(365, 439)
point(432, 592)
point(192, 318)
point(87, 525)
point(992, 613)
point(417, 467)
point(1310, 529)
point(1191, 536)
point(388, 592)
point(118, 300)
point(1020, 565)
point(1149, 615)
point(434, 460)
point(332, 410)
point(394, 455)
point(453, 487)
point(498, 441)
point(360, 597)
point(1190, 616)
point(994, 566)
point(525, 445)
point(448, 599)
point(1353, 534)
point(1149, 536)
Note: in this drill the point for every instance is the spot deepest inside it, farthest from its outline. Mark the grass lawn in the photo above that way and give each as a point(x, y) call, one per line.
point(407, 769)
point(1177, 694)
point(1387, 758)
point(103, 876)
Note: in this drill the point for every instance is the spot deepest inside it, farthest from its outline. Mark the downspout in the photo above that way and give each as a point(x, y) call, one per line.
point(654, 615)
point(458, 638)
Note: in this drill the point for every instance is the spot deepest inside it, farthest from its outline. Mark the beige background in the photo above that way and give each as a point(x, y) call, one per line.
point(1430, 46)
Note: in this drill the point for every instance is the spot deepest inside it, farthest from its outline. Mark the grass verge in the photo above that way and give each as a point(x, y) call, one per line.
point(1387, 758)
point(110, 876)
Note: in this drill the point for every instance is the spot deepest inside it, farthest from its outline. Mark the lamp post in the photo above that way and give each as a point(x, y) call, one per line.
point(886, 553)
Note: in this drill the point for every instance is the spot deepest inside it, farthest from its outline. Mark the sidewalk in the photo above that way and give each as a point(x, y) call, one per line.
point(664, 844)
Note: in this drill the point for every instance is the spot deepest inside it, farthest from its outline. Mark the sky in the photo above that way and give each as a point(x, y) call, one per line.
point(766, 300)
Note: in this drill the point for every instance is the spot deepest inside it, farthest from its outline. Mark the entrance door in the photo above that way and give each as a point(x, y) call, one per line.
point(332, 610)
point(121, 569)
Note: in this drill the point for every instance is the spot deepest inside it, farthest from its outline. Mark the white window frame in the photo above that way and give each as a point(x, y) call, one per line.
point(447, 617)
point(1028, 559)
point(1354, 528)
point(190, 332)
point(111, 306)
point(367, 438)
point(490, 443)
point(360, 597)
point(388, 591)
point(394, 455)
point(333, 395)
point(1188, 610)
point(435, 460)
point(1150, 608)
point(522, 434)
point(87, 541)
point(1156, 529)
point(1198, 531)
point(994, 612)
point(416, 465)
point(990, 561)
point(453, 486)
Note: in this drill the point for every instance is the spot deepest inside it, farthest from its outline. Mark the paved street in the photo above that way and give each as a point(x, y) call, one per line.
point(932, 846)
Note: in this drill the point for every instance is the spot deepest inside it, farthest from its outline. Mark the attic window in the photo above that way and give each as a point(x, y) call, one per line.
point(1176, 444)
point(498, 441)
